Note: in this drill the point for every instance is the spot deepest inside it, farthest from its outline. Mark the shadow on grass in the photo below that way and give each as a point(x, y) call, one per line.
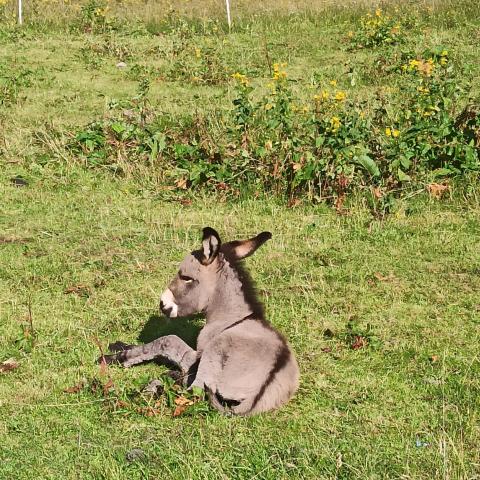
point(186, 328)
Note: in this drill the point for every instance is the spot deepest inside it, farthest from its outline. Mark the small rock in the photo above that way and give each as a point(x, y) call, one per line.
point(19, 181)
point(128, 113)
point(154, 388)
point(420, 443)
point(136, 455)
point(121, 65)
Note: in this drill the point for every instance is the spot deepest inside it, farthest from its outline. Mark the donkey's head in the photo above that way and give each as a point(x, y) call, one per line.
point(200, 273)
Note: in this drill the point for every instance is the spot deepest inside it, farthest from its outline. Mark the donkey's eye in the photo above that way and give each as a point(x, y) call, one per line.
point(185, 278)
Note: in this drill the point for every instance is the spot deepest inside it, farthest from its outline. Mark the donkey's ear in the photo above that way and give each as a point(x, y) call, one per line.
point(210, 244)
point(244, 248)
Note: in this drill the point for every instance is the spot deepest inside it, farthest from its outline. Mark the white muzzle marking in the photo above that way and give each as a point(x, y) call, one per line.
point(168, 301)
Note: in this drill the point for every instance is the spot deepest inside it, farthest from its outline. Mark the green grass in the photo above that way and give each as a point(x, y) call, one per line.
point(358, 413)
point(404, 406)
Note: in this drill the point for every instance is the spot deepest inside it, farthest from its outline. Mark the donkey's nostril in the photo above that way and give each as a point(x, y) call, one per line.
point(166, 310)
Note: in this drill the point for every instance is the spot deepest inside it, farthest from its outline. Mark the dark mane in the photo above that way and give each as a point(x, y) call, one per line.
point(248, 286)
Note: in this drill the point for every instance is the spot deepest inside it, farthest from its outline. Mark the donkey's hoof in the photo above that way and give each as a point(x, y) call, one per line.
point(118, 346)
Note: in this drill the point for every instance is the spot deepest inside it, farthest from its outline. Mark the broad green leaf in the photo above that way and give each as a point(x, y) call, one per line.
point(402, 176)
point(368, 164)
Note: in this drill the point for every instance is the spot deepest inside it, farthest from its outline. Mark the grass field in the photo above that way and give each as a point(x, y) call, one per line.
point(381, 305)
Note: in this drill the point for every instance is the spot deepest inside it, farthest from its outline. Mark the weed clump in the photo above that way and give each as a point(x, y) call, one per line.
point(321, 148)
point(376, 30)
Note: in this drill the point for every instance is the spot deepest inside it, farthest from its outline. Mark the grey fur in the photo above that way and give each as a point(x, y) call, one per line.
point(244, 364)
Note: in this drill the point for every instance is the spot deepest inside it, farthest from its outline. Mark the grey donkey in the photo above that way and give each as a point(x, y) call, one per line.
point(241, 361)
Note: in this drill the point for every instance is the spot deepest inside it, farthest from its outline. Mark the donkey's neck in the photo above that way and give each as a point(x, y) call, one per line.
point(228, 303)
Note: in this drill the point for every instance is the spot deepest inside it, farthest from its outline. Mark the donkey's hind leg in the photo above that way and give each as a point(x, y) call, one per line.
point(169, 348)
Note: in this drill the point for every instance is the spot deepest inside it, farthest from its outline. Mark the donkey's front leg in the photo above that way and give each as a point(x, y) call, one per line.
point(170, 348)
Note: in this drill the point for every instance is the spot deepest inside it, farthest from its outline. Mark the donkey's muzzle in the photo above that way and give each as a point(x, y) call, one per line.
point(168, 305)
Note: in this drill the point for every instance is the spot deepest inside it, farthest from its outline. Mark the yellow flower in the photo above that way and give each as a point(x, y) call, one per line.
point(413, 64)
point(396, 132)
point(277, 73)
point(242, 79)
point(323, 96)
point(378, 12)
point(444, 53)
point(333, 83)
point(340, 96)
point(335, 123)
point(388, 132)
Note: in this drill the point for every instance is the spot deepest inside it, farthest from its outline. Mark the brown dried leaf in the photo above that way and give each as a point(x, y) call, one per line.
point(434, 358)
point(80, 289)
point(294, 202)
point(108, 386)
point(103, 366)
point(382, 278)
point(8, 365)
point(436, 190)
point(148, 411)
point(342, 182)
point(339, 203)
point(377, 192)
point(181, 183)
point(179, 410)
point(76, 388)
point(359, 342)
point(180, 401)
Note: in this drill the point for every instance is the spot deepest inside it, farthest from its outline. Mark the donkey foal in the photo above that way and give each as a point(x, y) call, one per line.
point(244, 364)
